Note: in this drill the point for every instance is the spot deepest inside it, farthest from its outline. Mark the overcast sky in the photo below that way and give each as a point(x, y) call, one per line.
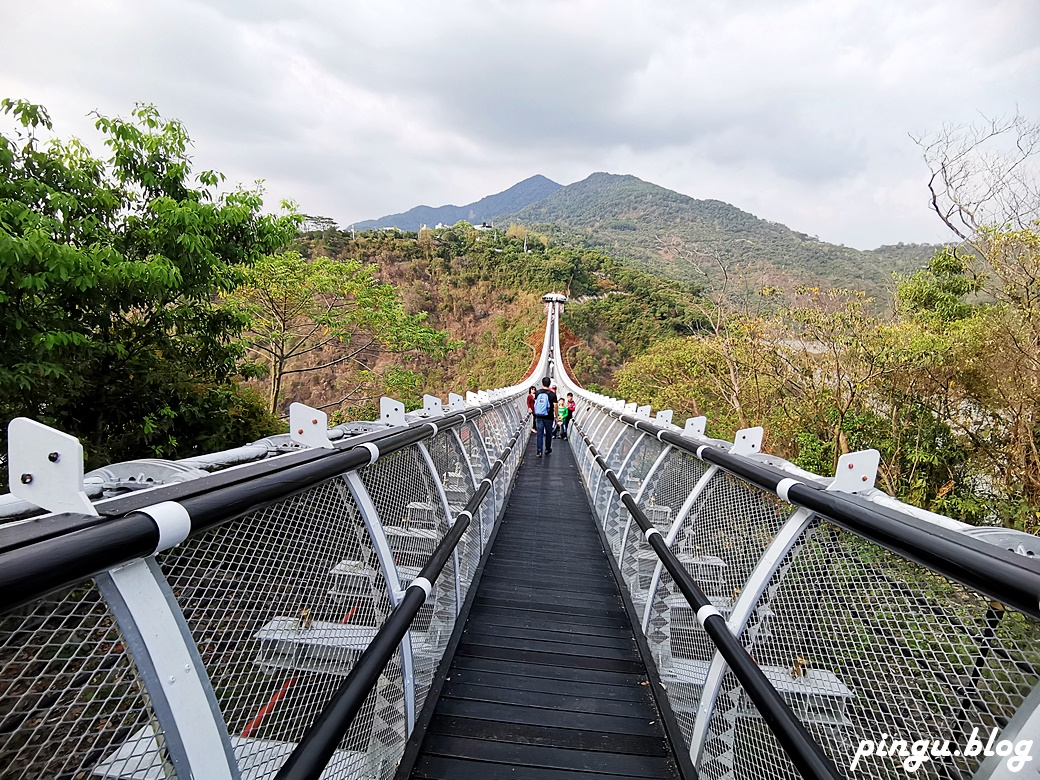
point(795, 110)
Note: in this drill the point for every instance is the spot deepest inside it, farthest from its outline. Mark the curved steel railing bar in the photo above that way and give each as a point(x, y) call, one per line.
point(802, 749)
point(31, 568)
point(313, 753)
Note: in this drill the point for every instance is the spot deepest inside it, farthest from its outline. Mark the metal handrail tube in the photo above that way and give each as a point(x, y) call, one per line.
point(801, 748)
point(313, 753)
point(1002, 575)
point(32, 570)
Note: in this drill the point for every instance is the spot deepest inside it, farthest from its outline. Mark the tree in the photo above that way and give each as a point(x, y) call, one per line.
point(108, 274)
point(315, 315)
point(984, 175)
point(985, 186)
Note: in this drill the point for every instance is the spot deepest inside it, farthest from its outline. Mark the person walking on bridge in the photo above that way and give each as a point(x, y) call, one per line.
point(545, 402)
point(566, 415)
point(530, 406)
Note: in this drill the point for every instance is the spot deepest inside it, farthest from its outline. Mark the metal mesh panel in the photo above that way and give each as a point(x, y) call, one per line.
point(720, 542)
point(589, 462)
point(597, 428)
point(401, 490)
point(476, 454)
point(662, 500)
point(69, 693)
point(863, 643)
point(586, 463)
point(281, 604)
point(490, 433)
point(620, 444)
point(632, 474)
point(454, 476)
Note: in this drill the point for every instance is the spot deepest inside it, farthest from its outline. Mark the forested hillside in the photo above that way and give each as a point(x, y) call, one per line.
point(680, 237)
point(481, 288)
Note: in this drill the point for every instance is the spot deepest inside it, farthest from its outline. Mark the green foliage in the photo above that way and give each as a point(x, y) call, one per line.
point(108, 274)
point(937, 292)
point(825, 377)
point(302, 311)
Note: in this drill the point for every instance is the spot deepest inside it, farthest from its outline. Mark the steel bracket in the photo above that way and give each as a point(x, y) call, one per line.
point(432, 406)
point(747, 441)
point(309, 426)
point(695, 427)
point(391, 411)
point(46, 467)
point(856, 472)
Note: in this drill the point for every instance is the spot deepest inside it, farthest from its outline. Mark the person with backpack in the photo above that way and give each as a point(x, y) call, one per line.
point(545, 403)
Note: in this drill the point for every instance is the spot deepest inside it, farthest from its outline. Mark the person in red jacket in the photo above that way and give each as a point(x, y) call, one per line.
point(530, 405)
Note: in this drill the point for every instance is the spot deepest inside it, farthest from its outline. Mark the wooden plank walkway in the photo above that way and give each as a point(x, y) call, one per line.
point(547, 681)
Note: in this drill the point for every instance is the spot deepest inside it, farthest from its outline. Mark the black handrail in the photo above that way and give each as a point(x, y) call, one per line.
point(802, 749)
point(313, 753)
point(1002, 575)
point(58, 560)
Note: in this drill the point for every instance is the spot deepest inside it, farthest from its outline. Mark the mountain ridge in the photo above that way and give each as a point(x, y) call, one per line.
point(677, 236)
point(520, 195)
point(689, 239)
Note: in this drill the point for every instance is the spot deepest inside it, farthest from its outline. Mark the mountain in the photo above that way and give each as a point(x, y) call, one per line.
point(687, 239)
point(486, 209)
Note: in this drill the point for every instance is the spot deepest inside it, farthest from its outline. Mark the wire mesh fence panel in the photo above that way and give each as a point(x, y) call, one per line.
point(70, 696)
point(615, 456)
point(490, 434)
point(476, 454)
point(719, 543)
point(398, 485)
point(597, 427)
point(449, 462)
point(603, 442)
point(585, 461)
point(662, 499)
point(632, 474)
point(864, 644)
point(281, 603)
point(430, 642)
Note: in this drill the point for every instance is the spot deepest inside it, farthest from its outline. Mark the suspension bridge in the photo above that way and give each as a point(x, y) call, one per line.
point(418, 596)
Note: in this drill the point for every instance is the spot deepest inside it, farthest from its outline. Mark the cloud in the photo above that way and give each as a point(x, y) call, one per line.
point(797, 110)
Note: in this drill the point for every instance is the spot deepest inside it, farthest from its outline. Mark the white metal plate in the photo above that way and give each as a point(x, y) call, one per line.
point(391, 411)
point(308, 426)
point(46, 467)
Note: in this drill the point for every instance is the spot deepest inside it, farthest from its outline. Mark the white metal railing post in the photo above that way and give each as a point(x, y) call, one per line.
point(443, 497)
point(385, 557)
point(171, 670)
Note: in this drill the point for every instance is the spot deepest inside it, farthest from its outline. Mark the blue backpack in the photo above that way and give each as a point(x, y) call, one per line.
point(541, 404)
